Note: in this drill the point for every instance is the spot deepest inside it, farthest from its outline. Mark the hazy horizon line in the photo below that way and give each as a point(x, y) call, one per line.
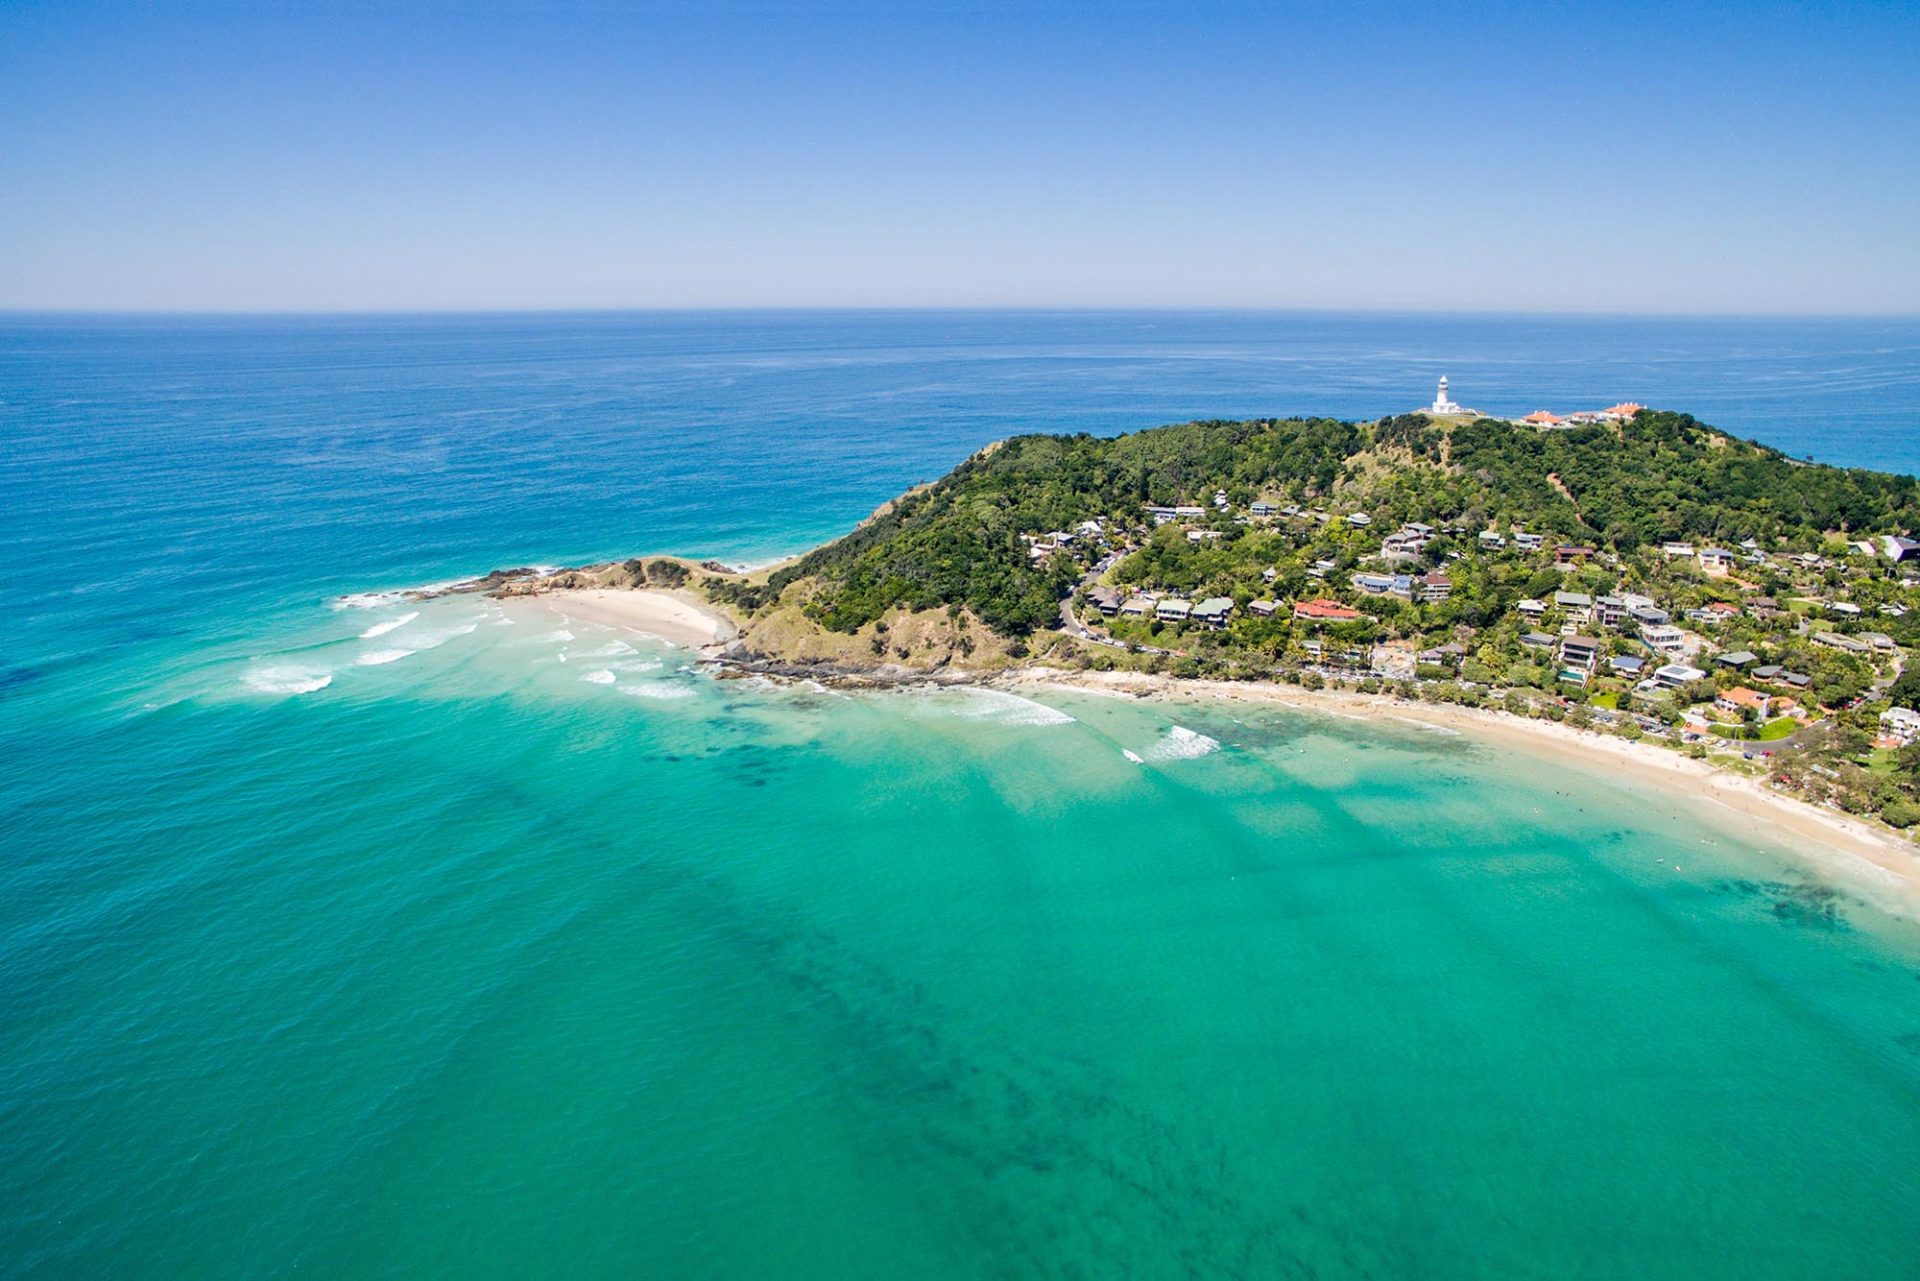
point(925, 308)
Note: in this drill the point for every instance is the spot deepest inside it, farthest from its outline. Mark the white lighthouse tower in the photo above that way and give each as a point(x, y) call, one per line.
point(1441, 403)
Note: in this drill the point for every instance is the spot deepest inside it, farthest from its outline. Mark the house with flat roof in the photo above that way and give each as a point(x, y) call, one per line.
point(1665, 639)
point(1902, 724)
point(1577, 606)
point(1627, 665)
point(1173, 610)
point(1738, 658)
point(1138, 606)
point(1262, 608)
point(1674, 675)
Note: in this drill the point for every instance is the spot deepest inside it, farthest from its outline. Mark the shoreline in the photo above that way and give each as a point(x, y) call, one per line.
point(1864, 853)
point(1832, 841)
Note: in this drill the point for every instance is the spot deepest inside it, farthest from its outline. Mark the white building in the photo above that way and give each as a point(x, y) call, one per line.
point(1442, 404)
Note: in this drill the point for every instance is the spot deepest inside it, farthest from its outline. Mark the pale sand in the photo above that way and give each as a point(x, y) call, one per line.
point(1868, 857)
point(668, 616)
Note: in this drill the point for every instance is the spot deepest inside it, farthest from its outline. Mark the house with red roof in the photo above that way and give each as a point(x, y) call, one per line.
point(1325, 611)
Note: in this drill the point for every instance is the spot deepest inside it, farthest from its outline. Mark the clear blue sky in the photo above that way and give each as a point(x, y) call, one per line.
point(1696, 157)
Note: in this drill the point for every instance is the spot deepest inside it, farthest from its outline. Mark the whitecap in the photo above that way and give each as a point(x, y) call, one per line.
point(1002, 708)
point(375, 657)
point(381, 629)
point(614, 649)
point(435, 639)
point(657, 690)
point(601, 677)
point(1181, 744)
point(638, 665)
point(1132, 755)
point(288, 679)
point(558, 636)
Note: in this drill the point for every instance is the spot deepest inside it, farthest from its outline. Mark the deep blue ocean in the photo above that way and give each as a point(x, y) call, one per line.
point(372, 938)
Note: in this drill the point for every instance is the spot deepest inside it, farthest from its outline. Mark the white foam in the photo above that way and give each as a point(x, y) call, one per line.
point(1181, 744)
point(381, 629)
point(375, 657)
point(558, 636)
point(435, 639)
point(638, 665)
point(614, 649)
point(657, 690)
point(1132, 756)
point(601, 677)
point(288, 679)
point(1002, 708)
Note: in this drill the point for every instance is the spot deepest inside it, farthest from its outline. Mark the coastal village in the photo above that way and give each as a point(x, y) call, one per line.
point(1735, 647)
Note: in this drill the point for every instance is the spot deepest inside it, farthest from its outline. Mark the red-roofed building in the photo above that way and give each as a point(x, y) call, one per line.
point(1541, 418)
point(1739, 698)
point(1325, 611)
point(1625, 409)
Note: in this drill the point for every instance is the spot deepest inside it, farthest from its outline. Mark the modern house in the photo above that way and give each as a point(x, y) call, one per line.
point(1738, 658)
point(1716, 562)
point(1262, 608)
point(1173, 610)
point(1264, 510)
point(1578, 655)
point(1528, 542)
point(1138, 606)
point(1609, 611)
point(1667, 640)
point(1534, 609)
point(1577, 606)
point(1674, 675)
point(1432, 587)
point(1359, 520)
point(1627, 665)
point(1567, 555)
point(1902, 724)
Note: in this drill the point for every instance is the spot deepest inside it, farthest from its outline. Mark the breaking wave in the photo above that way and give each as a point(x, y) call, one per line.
point(658, 690)
point(601, 677)
point(287, 679)
point(1179, 744)
point(376, 657)
point(1002, 708)
point(381, 629)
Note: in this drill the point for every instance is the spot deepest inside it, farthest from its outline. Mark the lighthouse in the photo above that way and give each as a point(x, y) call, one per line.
point(1441, 403)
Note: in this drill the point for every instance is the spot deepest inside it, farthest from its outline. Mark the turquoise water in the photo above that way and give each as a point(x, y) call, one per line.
point(522, 949)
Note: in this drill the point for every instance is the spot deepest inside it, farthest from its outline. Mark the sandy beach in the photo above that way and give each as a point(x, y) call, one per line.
point(668, 616)
point(1864, 855)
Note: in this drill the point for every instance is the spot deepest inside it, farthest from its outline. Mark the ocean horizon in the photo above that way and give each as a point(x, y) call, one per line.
point(372, 936)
